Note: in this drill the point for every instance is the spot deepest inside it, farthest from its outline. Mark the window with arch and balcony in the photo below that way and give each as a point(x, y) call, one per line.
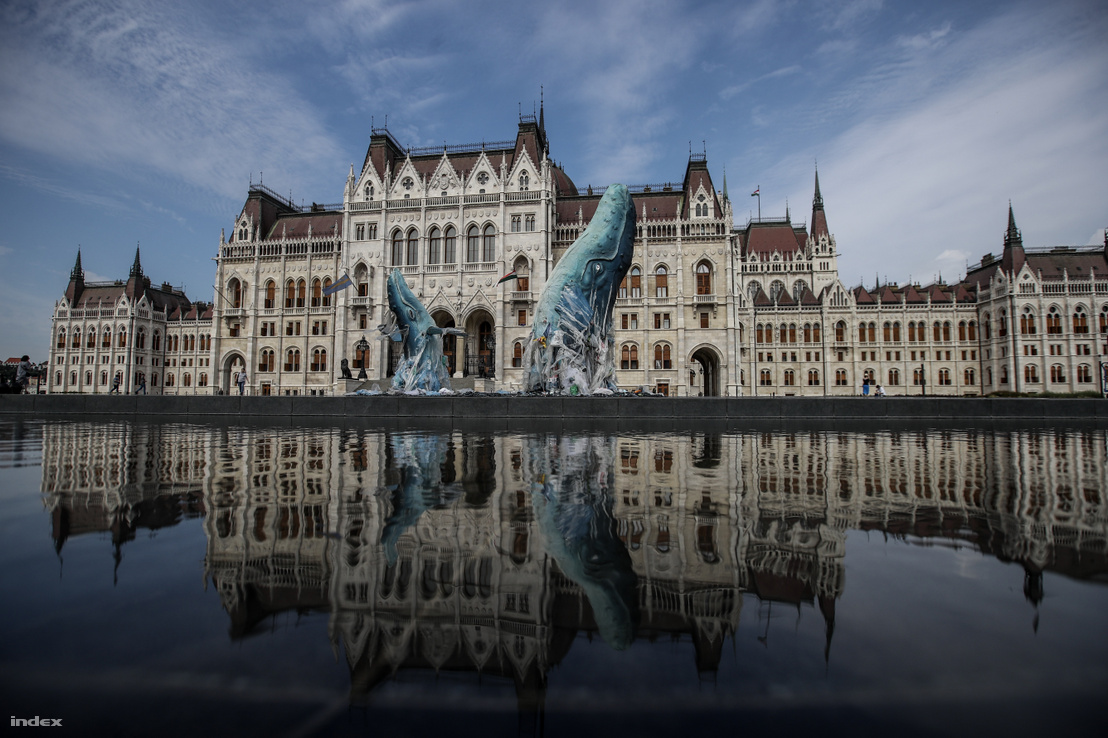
point(629, 357)
point(292, 360)
point(397, 248)
point(234, 293)
point(1080, 320)
point(319, 360)
point(473, 244)
point(703, 279)
point(434, 246)
point(661, 282)
point(1027, 322)
point(662, 359)
point(488, 243)
point(266, 362)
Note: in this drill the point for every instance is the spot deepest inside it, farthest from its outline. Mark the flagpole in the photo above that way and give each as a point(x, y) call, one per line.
point(758, 194)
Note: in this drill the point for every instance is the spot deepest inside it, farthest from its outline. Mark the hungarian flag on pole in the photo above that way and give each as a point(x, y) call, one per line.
point(756, 192)
point(342, 284)
point(509, 275)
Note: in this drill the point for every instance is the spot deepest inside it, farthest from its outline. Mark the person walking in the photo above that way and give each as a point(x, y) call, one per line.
point(23, 374)
point(141, 384)
point(241, 379)
point(115, 384)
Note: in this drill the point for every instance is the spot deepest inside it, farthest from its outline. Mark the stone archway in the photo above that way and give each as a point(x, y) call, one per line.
point(480, 345)
point(705, 373)
point(443, 319)
point(233, 363)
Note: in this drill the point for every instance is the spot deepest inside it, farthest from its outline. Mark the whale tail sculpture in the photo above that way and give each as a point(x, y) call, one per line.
point(571, 347)
point(422, 366)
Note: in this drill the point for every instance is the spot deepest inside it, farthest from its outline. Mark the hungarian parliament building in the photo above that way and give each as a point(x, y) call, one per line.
point(707, 308)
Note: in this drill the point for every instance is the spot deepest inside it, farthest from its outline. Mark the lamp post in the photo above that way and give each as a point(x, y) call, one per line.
point(361, 347)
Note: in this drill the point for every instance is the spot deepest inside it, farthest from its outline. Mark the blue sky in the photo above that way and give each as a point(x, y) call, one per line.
point(130, 122)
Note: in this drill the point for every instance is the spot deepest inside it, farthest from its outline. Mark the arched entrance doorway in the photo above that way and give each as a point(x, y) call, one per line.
point(480, 346)
point(233, 363)
point(704, 375)
point(444, 319)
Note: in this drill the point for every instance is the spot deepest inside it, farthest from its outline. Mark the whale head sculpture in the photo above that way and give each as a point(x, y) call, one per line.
point(570, 348)
point(422, 366)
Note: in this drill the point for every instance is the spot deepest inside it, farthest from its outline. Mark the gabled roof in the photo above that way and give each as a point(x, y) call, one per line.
point(809, 298)
point(298, 225)
point(764, 238)
point(863, 297)
point(697, 177)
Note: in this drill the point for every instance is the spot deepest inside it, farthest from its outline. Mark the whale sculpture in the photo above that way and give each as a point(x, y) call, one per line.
point(417, 461)
point(571, 347)
point(571, 497)
point(423, 366)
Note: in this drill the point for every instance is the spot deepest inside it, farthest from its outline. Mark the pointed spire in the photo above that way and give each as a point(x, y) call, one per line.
point(78, 274)
point(542, 121)
point(136, 268)
point(819, 218)
point(725, 196)
point(1012, 236)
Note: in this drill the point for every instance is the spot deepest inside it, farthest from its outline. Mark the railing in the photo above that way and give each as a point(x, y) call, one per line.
point(409, 270)
point(233, 312)
point(521, 295)
point(705, 299)
point(359, 300)
point(482, 367)
point(315, 207)
point(479, 266)
point(439, 201)
point(478, 199)
point(367, 205)
point(635, 189)
point(527, 196)
point(245, 251)
point(469, 148)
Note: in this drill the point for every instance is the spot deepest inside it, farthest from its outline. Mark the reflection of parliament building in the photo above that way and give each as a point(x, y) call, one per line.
point(707, 307)
point(428, 553)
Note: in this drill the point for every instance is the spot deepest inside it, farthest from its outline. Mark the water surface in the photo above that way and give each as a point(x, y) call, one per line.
point(181, 578)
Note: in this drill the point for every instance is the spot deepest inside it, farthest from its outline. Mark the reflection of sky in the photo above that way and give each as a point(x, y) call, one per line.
point(919, 623)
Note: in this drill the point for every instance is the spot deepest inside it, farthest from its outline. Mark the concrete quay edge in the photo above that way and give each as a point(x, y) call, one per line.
point(581, 410)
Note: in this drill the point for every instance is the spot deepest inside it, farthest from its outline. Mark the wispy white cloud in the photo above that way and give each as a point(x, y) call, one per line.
point(996, 115)
point(731, 91)
point(124, 85)
point(927, 40)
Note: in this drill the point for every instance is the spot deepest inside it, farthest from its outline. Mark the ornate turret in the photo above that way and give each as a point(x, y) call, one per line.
point(136, 281)
point(819, 218)
point(1014, 256)
point(76, 281)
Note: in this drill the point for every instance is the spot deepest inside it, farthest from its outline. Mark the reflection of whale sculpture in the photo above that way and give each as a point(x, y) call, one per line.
point(571, 349)
point(418, 461)
point(423, 366)
point(572, 501)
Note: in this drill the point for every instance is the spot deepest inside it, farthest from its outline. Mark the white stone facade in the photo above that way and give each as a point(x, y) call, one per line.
point(708, 308)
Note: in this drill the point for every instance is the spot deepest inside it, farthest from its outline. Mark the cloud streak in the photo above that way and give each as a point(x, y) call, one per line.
point(130, 85)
